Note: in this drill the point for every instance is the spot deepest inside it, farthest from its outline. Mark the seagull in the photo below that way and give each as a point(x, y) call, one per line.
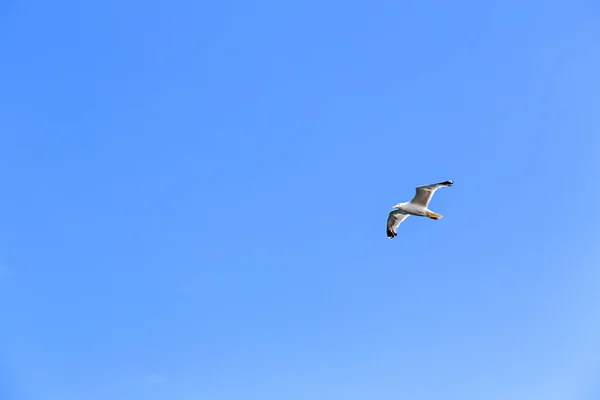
point(417, 206)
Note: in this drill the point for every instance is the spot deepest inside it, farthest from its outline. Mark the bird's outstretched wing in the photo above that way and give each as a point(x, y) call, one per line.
point(425, 192)
point(395, 218)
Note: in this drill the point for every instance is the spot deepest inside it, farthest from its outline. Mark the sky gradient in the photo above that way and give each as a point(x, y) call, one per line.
point(195, 196)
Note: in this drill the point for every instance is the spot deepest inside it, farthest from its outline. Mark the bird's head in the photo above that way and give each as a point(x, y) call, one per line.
point(397, 206)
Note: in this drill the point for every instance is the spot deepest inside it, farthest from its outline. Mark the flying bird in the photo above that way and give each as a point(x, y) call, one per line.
point(417, 206)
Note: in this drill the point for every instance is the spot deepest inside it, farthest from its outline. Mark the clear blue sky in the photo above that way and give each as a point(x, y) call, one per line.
point(194, 199)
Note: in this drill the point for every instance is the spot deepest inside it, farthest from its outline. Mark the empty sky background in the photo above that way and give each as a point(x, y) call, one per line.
point(194, 197)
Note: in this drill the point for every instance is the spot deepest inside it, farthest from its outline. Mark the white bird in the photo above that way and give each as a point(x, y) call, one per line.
point(417, 206)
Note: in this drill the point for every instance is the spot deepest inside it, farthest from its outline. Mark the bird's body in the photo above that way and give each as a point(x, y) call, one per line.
point(418, 206)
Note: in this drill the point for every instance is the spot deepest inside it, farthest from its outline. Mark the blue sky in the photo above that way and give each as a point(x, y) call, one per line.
point(195, 195)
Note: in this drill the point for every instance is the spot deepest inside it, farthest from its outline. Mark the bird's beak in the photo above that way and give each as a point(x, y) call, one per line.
point(396, 206)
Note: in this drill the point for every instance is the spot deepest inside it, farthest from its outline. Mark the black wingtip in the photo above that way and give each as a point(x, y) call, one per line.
point(448, 183)
point(391, 234)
